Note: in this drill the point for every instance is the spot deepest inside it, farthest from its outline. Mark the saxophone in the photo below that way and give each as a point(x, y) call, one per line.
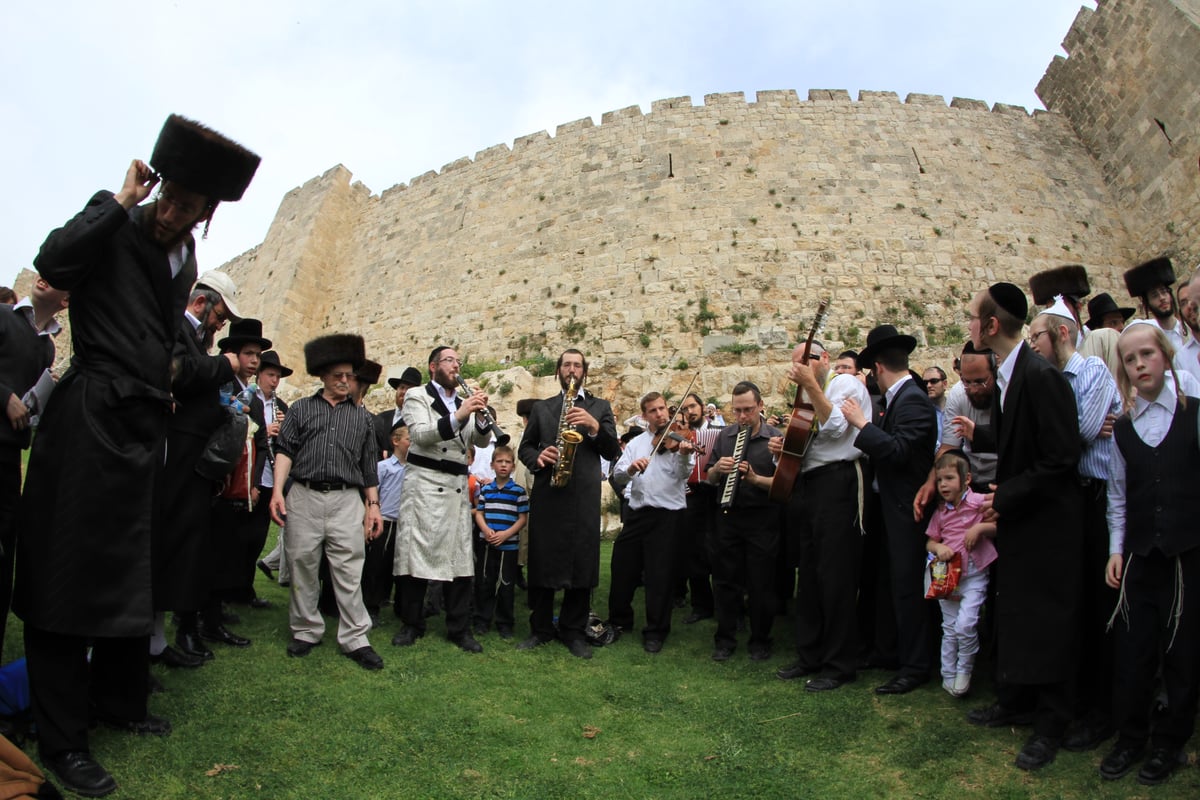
point(568, 439)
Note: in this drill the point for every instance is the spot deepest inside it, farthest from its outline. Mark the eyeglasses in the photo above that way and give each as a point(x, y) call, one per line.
point(976, 383)
point(342, 376)
point(934, 381)
point(1033, 338)
point(448, 360)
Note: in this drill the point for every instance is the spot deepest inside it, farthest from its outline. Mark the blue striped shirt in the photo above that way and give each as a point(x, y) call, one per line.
point(1096, 396)
point(391, 481)
point(501, 507)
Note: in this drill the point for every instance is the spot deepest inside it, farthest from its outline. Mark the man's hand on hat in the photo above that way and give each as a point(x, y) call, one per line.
point(140, 180)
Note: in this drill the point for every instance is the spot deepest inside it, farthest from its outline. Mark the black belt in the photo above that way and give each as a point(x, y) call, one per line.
point(325, 486)
point(448, 467)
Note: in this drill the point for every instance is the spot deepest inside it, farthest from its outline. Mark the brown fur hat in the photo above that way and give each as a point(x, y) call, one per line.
point(1070, 281)
point(1144, 277)
point(202, 160)
point(337, 348)
point(369, 372)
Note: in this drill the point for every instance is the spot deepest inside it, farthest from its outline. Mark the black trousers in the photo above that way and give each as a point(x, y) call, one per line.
point(495, 586)
point(238, 536)
point(744, 550)
point(457, 595)
point(876, 615)
point(645, 553)
point(572, 617)
point(694, 533)
point(10, 497)
point(824, 524)
point(906, 565)
point(377, 579)
point(65, 688)
point(1148, 639)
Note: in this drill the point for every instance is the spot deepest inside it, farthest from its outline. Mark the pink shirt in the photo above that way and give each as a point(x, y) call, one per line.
point(950, 524)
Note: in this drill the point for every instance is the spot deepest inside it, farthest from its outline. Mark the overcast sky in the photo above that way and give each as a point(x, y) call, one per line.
point(393, 89)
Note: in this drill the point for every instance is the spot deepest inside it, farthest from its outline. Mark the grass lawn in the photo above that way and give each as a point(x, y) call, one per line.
point(441, 723)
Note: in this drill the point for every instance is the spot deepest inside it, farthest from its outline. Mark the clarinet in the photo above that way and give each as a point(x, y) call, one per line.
point(735, 476)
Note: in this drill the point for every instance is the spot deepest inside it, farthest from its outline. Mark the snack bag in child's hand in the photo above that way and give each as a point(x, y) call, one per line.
point(941, 577)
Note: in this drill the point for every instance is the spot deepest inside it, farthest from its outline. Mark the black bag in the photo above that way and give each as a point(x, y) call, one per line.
point(224, 447)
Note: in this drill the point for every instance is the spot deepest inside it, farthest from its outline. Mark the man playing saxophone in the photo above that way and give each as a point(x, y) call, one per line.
point(565, 552)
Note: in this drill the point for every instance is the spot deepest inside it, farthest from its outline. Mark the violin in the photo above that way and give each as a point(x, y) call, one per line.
point(673, 435)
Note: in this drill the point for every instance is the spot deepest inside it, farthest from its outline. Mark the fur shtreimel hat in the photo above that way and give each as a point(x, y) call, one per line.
point(337, 348)
point(369, 372)
point(202, 160)
point(1144, 277)
point(1070, 281)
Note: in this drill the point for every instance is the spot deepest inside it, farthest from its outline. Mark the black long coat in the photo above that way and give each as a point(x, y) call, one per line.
point(83, 558)
point(1039, 534)
point(564, 524)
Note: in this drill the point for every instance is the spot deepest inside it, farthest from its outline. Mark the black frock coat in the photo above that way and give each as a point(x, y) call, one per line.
point(1039, 533)
point(564, 524)
point(83, 558)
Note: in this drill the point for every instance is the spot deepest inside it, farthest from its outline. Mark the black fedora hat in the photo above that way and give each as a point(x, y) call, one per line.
point(1102, 305)
point(411, 376)
point(243, 331)
point(1144, 277)
point(884, 337)
point(270, 358)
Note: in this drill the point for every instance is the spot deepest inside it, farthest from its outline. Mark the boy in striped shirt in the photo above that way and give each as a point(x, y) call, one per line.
point(501, 512)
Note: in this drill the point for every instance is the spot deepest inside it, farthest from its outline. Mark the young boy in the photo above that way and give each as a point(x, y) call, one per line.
point(501, 513)
point(377, 566)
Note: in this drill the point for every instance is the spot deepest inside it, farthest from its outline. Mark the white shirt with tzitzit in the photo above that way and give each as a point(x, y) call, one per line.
point(834, 439)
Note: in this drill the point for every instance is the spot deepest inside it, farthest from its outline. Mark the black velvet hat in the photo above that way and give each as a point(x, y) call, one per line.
point(411, 376)
point(270, 358)
point(884, 337)
point(1070, 281)
point(1102, 305)
point(1009, 297)
point(202, 160)
point(243, 331)
point(337, 348)
point(1144, 277)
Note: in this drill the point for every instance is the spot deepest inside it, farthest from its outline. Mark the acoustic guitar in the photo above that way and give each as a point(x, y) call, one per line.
point(800, 428)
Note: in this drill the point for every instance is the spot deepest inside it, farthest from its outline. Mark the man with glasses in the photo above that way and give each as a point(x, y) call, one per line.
point(433, 529)
point(327, 447)
point(696, 527)
point(824, 523)
point(1151, 283)
point(83, 564)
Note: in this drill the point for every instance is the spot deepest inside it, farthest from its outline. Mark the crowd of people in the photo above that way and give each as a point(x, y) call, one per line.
point(1040, 498)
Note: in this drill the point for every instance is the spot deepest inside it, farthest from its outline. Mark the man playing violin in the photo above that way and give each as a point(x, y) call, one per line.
point(823, 525)
point(656, 469)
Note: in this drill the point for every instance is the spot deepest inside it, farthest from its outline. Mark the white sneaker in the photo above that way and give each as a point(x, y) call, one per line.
point(948, 685)
point(962, 684)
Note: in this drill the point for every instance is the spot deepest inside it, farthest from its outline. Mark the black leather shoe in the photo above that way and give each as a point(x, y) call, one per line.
point(797, 669)
point(265, 570)
point(149, 726)
point(722, 653)
point(531, 642)
point(1085, 736)
point(827, 683)
point(759, 652)
point(465, 641)
point(177, 659)
point(694, 617)
point(219, 633)
point(505, 633)
point(901, 684)
point(407, 636)
point(190, 644)
point(1037, 753)
point(260, 602)
point(298, 648)
point(78, 772)
point(365, 657)
point(652, 646)
point(1159, 766)
point(997, 716)
point(1119, 761)
point(579, 648)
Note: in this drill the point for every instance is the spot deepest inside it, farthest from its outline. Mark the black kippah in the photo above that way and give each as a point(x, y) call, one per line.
point(1010, 297)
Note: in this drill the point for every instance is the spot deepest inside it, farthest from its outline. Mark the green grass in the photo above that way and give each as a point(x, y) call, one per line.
point(441, 723)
